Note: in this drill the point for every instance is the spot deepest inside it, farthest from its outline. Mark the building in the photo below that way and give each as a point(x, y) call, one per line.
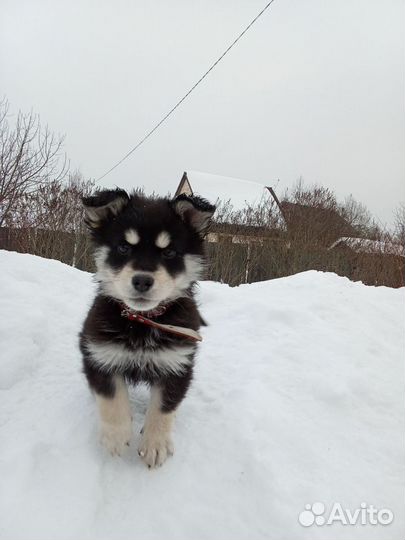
point(232, 196)
point(308, 222)
point(222, 189)
point(370, 247)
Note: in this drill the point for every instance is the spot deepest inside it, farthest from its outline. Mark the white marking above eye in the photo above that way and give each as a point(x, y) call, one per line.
point(163, 240)
point(132, 236)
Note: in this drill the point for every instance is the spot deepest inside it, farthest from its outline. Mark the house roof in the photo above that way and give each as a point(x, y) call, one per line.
point(223, 188)
point(365, 245)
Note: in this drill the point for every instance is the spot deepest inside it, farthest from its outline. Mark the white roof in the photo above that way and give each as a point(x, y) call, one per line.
point(223, 188)
point(365, 245)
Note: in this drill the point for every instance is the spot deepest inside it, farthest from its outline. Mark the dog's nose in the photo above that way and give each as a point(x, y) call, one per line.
point(142, 283)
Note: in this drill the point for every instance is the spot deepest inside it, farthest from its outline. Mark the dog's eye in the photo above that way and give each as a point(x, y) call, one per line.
point(123, 249)
point(169, 253)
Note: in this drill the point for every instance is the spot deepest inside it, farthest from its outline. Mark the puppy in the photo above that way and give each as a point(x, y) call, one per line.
point(143, 324)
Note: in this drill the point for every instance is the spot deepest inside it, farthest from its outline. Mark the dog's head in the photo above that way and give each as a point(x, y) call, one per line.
point(148, 250)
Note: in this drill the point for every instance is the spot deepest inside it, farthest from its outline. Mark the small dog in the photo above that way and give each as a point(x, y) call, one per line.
point(143, 324)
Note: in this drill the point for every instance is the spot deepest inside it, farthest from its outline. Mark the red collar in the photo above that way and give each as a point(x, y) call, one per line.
point(145, 317)
point(131, 314)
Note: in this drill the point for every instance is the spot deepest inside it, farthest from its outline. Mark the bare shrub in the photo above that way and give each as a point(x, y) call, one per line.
point(235, 238)
point(312, 215)
point(40, 200)
point(49, 221)
point(30, 155)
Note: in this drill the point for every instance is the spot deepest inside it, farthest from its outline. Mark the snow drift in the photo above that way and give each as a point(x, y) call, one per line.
point(298, 398)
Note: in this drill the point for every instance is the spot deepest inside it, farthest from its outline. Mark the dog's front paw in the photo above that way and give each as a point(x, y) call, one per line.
point(155, 449)
point(116, 438)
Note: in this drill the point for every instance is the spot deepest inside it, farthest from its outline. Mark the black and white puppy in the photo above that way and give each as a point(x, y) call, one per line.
point(149, 254)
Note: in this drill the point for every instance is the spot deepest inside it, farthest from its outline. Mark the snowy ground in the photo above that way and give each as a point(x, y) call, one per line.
point(298, 398)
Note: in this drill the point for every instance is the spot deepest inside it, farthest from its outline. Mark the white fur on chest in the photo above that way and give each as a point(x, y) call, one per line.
point(111, 355)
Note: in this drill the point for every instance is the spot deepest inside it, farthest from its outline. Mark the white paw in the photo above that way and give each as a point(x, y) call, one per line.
point(115, 438)
point(155, 448)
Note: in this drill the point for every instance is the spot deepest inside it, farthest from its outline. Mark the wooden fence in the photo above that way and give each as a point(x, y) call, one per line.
point(229, 262)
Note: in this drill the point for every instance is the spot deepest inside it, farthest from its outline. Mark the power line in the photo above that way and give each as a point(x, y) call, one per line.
point(235, 41)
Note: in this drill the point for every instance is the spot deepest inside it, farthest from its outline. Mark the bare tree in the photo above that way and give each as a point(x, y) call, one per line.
point(315, 195)
point(49, 220)
point(400, 223)
point(54, 205)
point(360, 218)
point(311, 214)
point(30, 155)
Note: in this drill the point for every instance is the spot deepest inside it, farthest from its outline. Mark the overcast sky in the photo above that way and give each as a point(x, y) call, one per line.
point(315, 89)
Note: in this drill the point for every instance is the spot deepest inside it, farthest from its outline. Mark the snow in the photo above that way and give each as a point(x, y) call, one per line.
point(298, 398)
point(217, 188)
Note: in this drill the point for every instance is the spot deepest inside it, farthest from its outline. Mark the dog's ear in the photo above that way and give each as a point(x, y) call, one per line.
point(195, 211)
point(103, 205)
